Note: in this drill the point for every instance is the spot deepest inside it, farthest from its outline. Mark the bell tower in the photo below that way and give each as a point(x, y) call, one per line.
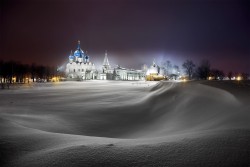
point(105, 65)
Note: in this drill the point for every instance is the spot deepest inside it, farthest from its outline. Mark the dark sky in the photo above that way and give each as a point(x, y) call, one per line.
point(133, 31)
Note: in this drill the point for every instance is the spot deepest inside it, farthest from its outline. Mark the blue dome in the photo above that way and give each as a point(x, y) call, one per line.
point(79, 53)
point(71, 57)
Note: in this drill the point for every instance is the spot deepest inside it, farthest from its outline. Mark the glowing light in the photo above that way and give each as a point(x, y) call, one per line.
point(238, 78)
point(55, 79)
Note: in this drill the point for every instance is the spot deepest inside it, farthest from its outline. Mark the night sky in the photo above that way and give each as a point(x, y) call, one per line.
point(133, 31)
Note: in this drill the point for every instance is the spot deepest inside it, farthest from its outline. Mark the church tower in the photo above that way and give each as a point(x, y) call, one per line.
point(79, 54)
point(105, 65)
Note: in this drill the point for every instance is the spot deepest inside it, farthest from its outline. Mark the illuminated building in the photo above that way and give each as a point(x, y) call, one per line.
point(154, 73)
point(119, 73)
point(80, 68)
point(107, 72)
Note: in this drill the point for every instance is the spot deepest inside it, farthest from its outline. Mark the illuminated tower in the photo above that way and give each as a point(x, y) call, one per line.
point(105, 65)
point(154, 64)
point(79, 54)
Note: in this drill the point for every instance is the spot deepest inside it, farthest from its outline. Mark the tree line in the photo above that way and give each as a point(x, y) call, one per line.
point(170, 70)
point(204, 71)
point(23, 72)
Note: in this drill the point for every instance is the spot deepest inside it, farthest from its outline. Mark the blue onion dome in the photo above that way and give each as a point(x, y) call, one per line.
point(71, 57)
point(79, 52)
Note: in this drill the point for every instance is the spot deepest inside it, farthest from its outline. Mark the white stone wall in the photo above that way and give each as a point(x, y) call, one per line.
point(80, 70)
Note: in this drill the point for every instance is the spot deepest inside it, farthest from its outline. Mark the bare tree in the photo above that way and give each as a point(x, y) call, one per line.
point(189, 66)
point(217, 74)
point(230, 75)
point(167, 66)
point(203, 70)
point(176, 69)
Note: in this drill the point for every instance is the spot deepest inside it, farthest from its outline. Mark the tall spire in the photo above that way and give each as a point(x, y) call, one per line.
point(154, 64)
point(78, 46)
point(106, 61)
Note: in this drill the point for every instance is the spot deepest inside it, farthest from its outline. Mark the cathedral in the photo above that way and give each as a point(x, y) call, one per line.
point(80, 68)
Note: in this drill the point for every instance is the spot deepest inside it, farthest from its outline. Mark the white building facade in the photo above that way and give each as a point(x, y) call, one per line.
point(79, 67)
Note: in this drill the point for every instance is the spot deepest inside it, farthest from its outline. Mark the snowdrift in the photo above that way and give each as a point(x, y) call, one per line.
point(124, 124)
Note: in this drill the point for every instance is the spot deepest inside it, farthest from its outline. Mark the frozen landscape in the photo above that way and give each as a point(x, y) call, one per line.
point(124, 123)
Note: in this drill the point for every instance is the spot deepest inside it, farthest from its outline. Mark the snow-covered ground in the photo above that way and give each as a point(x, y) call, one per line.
point(113, 123)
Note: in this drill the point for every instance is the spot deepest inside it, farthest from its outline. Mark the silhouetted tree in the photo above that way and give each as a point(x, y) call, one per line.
point(167, 66)
point(1, 70)
point(174, 72)
point(244, 76)
point(11, 69)
point(230, 75)
point(8, 71)
point(189, 67)
point(217, 74)
point(41, 72)
point(176, 69)
point(33, 71)
point(203, 69)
